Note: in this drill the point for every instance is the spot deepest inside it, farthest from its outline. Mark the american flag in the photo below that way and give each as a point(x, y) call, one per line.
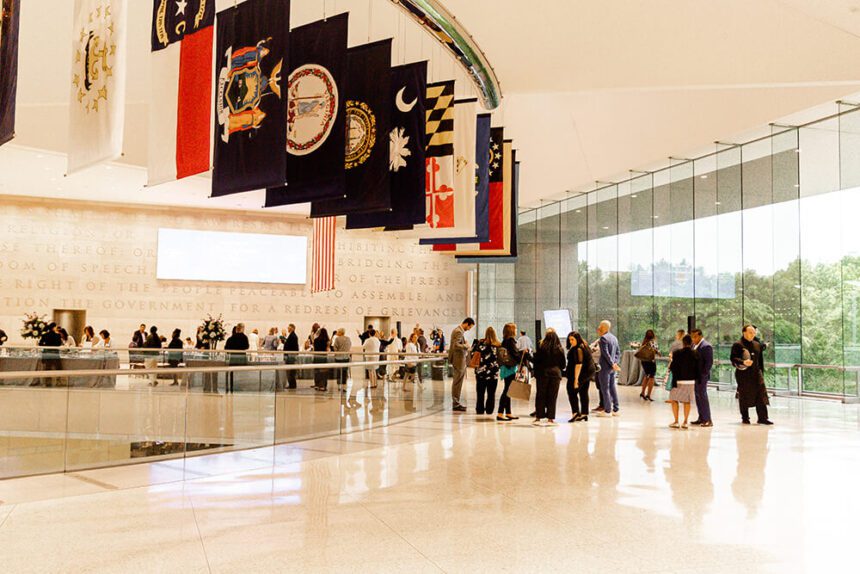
point(322, 279)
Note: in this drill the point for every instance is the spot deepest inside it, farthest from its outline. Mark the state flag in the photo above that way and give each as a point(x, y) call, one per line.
point(482, 196)
point(368, 122)
point(250, 103)
point(316, 106)
point(97, 95)
point(180, 109)
point(502, 208)
point(406, 146)
point(511, 257)
point(9, 21)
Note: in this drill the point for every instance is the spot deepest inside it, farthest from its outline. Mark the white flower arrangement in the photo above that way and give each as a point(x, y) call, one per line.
point(213, 330)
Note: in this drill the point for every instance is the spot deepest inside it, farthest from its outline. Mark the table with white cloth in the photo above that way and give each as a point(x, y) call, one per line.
point(631, 369)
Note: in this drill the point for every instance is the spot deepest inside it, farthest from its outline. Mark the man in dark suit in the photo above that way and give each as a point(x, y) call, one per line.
point(238, 341)
point(705, 359)
point(291, 346)
point(610, 356)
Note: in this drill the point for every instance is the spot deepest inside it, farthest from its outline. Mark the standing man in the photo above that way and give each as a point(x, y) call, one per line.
point(291, 347)
point(238, 341)
point(458, 354)
point(524, 343)
point(748, 359)
point(705, 360)
point(610, 355)
point(342, 346)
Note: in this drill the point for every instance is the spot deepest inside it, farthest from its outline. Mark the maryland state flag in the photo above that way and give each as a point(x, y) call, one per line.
point(180, 108)
point(439, 186)
point(368, 122)
point(8, 67)
point(250, 103)
point(316, 132)
point(406, 143)
point(482, 195)
point(97, 91)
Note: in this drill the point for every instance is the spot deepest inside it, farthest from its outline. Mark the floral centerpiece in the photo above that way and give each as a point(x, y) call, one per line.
point(212, 331)
point(35, 326)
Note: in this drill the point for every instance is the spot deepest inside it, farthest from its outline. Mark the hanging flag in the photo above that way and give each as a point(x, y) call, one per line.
point(439, 186)
point(368, 122)
point(9, 19)
point(180, 108)
point(323, 266)
point(501, 170)
point(406, 143)
point(316, 132)
point(97, 96)
point(250, 106)
point(482, 197)
point(514, 243)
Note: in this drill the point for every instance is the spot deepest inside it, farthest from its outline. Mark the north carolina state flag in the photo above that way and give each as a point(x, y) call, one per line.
point(181, 104)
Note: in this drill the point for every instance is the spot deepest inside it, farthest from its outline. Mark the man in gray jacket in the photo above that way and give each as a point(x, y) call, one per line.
point(458, 355)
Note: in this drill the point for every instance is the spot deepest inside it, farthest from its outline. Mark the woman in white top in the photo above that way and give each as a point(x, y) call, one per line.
point(392, 353)
point(104, 341)
point(89, 339)
point(371, 353)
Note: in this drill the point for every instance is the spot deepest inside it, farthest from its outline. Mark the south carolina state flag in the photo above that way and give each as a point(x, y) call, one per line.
point(180, 110)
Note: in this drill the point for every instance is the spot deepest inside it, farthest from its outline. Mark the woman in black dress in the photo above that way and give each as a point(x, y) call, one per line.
point(487, 371)
point(549, 363)
point(580, 369)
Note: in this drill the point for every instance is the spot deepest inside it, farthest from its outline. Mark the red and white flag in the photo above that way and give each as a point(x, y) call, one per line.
point(180, 109)
point(322, 272)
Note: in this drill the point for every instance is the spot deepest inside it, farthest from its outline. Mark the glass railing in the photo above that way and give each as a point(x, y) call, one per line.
point(792, 379)
point(69, 410)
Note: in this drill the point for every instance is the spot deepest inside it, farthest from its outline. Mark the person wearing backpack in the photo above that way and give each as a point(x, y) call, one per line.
point(647, 355)
point(579, 372)
point(510, 358)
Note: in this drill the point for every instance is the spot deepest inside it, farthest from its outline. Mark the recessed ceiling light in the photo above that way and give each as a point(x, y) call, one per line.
point(634, 196)
point(605, 227)
point(656, 217)
point(704, 177)
point(717, 203)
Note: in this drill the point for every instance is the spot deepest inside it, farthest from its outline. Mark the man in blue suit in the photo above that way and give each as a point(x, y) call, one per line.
point(705, 354)
point(610, 356)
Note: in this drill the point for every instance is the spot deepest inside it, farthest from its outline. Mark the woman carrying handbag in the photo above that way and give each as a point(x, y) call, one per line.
point(512, 361)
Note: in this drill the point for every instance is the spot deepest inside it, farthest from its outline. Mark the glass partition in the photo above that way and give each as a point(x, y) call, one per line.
point(94, 409)
point(760, 232)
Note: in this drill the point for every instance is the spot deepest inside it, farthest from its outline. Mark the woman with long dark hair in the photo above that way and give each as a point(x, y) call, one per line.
point(647, 354)
point(580, 369)
point(549, 364)
point(685, 371)
point(508, 370)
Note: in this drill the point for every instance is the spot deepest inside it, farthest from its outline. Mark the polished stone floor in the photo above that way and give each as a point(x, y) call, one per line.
point(462, 493)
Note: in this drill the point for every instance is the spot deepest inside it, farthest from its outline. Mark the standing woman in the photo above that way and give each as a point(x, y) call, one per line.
point(549, 364)
point(579, 372)
point(684, 374)
point(321, 345)
point(487, 371)
point(509, 371)
point(647, 354)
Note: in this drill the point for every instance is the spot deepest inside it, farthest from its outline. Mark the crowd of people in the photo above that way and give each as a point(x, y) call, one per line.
point(691, 359)
point(494, 359)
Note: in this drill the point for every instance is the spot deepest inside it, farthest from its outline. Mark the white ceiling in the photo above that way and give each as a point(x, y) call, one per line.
point(593, 88)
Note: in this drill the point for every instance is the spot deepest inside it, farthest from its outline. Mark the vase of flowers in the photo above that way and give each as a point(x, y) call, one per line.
point(213, 331)
point(35, 326)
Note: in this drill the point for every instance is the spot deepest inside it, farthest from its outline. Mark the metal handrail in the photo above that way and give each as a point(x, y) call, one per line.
point(219, 369)
point(150, 350)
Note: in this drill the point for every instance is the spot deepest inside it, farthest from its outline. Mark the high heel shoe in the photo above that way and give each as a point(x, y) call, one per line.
point(643, 397)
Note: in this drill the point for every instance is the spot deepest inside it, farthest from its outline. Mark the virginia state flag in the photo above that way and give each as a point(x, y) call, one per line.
point(180, 108)
point(8, 67)
point(97, 94)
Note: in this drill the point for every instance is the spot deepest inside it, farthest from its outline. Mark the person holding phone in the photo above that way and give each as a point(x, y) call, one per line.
point(747, 357)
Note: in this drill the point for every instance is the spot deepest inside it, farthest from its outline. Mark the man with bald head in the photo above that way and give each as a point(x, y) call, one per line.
point(610, 355)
